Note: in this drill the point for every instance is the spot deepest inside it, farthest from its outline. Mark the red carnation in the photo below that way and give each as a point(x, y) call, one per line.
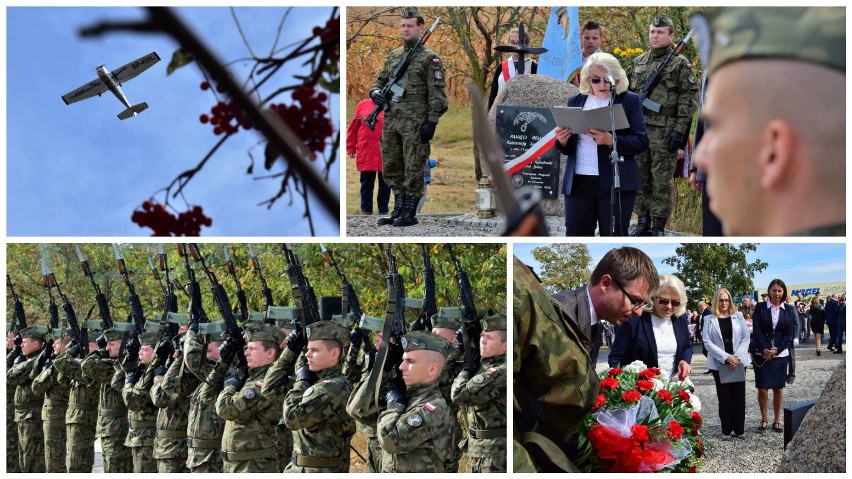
point(640, 432)
point(665, 396)
point(696, 417)
point(609, 383)
point(692, 469)
point(599, 402)
point(647, 374)
point(656, 371)
point(699, 450)
point(631, 396)
point(615, 372)
point(675, 430)
point(644, 385)
point(683, 395)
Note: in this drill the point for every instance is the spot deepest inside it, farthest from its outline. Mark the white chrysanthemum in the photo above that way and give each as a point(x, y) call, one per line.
point(658, 384)
point(693, 399)
point(636, 366)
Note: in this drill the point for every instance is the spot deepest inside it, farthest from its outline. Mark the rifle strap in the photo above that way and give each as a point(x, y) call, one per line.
point(375, 379)
point(550, 449)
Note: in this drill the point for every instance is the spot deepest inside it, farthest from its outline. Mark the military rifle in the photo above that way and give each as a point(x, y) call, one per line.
point(20, 316)
point(135, 303)
point(351, 304)
point(168, 330)
point(430, 303)
point(267, 293)
point(392, 92)
point(232, 329)
point(654, 78)
point(196, 309)
point(241, 295)
point(303, 293)
point(471, 327)
point(79, 334)
point(100, 299)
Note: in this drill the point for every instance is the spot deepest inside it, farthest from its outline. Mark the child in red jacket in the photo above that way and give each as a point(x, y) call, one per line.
point(363, 144)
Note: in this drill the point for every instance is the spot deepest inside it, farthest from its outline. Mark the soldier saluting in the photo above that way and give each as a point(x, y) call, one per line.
point(411, 116)
point(674, 99)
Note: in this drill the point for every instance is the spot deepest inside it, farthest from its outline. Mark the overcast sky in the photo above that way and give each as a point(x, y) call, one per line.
point(78, 170)
point(796, 264)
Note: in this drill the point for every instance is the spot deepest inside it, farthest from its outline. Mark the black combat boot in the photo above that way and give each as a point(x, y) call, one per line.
point(408, 212)
point(658, 228)
point(643, 228)
point(398, 205)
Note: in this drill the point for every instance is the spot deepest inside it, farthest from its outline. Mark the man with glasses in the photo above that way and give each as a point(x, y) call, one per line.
point(556, 346)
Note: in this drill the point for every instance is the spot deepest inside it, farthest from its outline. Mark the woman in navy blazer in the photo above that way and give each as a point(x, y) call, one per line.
point(770, 354)
point(660, 337)
point(588, 170)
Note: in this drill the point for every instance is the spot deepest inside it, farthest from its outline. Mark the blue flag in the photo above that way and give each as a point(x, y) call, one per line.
point(562, 40)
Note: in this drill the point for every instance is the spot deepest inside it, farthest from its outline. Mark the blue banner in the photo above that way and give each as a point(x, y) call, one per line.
point(562, 40)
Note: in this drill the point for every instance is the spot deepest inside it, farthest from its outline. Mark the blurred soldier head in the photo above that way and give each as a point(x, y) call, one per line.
point(621, 284)
point(424, 357)
point(590, 37)
point(32, 339)
point(661, 31)
point(411, 23)
point(492, 341)
point(326, 340)
point(446, 322)
point(263, 346)
point(775, 114)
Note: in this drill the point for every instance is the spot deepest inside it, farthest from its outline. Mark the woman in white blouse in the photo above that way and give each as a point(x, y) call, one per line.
point(660, 337)
point(726, 337)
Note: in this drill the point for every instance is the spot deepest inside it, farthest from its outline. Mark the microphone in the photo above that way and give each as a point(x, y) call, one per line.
point(609, 80)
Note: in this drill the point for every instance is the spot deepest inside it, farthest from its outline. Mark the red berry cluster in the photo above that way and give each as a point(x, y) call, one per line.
point(225, 118)
point(155, 216)
point(330, 31)
point(309, 120)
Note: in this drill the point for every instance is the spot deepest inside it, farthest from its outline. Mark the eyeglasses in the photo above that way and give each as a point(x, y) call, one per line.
point(665, 302)
point(596, 80)
point(636, 303)
point(724, 300)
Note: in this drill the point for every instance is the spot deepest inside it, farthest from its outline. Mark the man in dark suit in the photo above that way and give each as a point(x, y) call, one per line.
point(831, 321)
point(612, 294)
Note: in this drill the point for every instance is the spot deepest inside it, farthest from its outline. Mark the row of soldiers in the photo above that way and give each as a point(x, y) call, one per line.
point(181, 405)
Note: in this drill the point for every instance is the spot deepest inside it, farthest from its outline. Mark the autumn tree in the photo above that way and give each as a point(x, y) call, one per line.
point(706, 267)
point(563, 265)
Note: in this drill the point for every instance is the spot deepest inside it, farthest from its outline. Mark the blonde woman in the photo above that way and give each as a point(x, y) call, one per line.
point(588, 171)
point(726, 338)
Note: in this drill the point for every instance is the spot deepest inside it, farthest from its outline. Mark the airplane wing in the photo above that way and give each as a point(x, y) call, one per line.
point(94, 87)
point(134, 68)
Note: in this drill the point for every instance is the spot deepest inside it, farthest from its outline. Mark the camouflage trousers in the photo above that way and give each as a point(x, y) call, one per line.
point(284, 445)
point(143, 459)
point(374, 454)
point(656, 170)
point(403, 155)
point(495, 463)
point(55, 445)
point(12, 464)
point(203, 460)
point(117, 456)
point(31, 445)
point(81, 445)
point(172, 464)
point(269, 464)
point(209, 466)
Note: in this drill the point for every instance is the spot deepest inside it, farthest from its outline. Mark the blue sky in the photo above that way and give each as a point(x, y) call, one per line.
point(78, 170)
point(798, 264)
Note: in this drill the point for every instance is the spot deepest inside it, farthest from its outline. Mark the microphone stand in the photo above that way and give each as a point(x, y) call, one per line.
point(615, 159)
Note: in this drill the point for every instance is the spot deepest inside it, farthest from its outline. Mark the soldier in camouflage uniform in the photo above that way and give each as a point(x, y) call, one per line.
point(28, 404)
point(677, 93)
point(445, 324)
point(173, 385)
point(101, 367)
point(247, 445)
point(205, 426)
point(416, 429)
point(283, 317)
point(54, 386)
point(367, 420)
point(481, 390)
point(142, 413)
point(774, 147)
point(82, 415)
point(410, 122)
point(315, 399)
point(13, 351)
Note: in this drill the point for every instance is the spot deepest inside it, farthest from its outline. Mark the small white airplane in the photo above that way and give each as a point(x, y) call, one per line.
point(112, 81)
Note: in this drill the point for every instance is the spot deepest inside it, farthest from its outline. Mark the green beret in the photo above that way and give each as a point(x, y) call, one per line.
point(265, 333)
point(152, 326)
point(662, 20)
point(253, 324)
point(257, 316)
point(114, 334)
point(425, 340)
point(177, 318)
point(372, 323)
point(93, 326)
point(35, 332)
point(60, 332)
point(411, 12)
point(124, 327)
point(284, 316)
point(11, 327)
point(213, 329)
point(449, 318)
point(343, 319)
point(809, 34)
point(494, 323)
point(150, 338)
point(327, 330)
